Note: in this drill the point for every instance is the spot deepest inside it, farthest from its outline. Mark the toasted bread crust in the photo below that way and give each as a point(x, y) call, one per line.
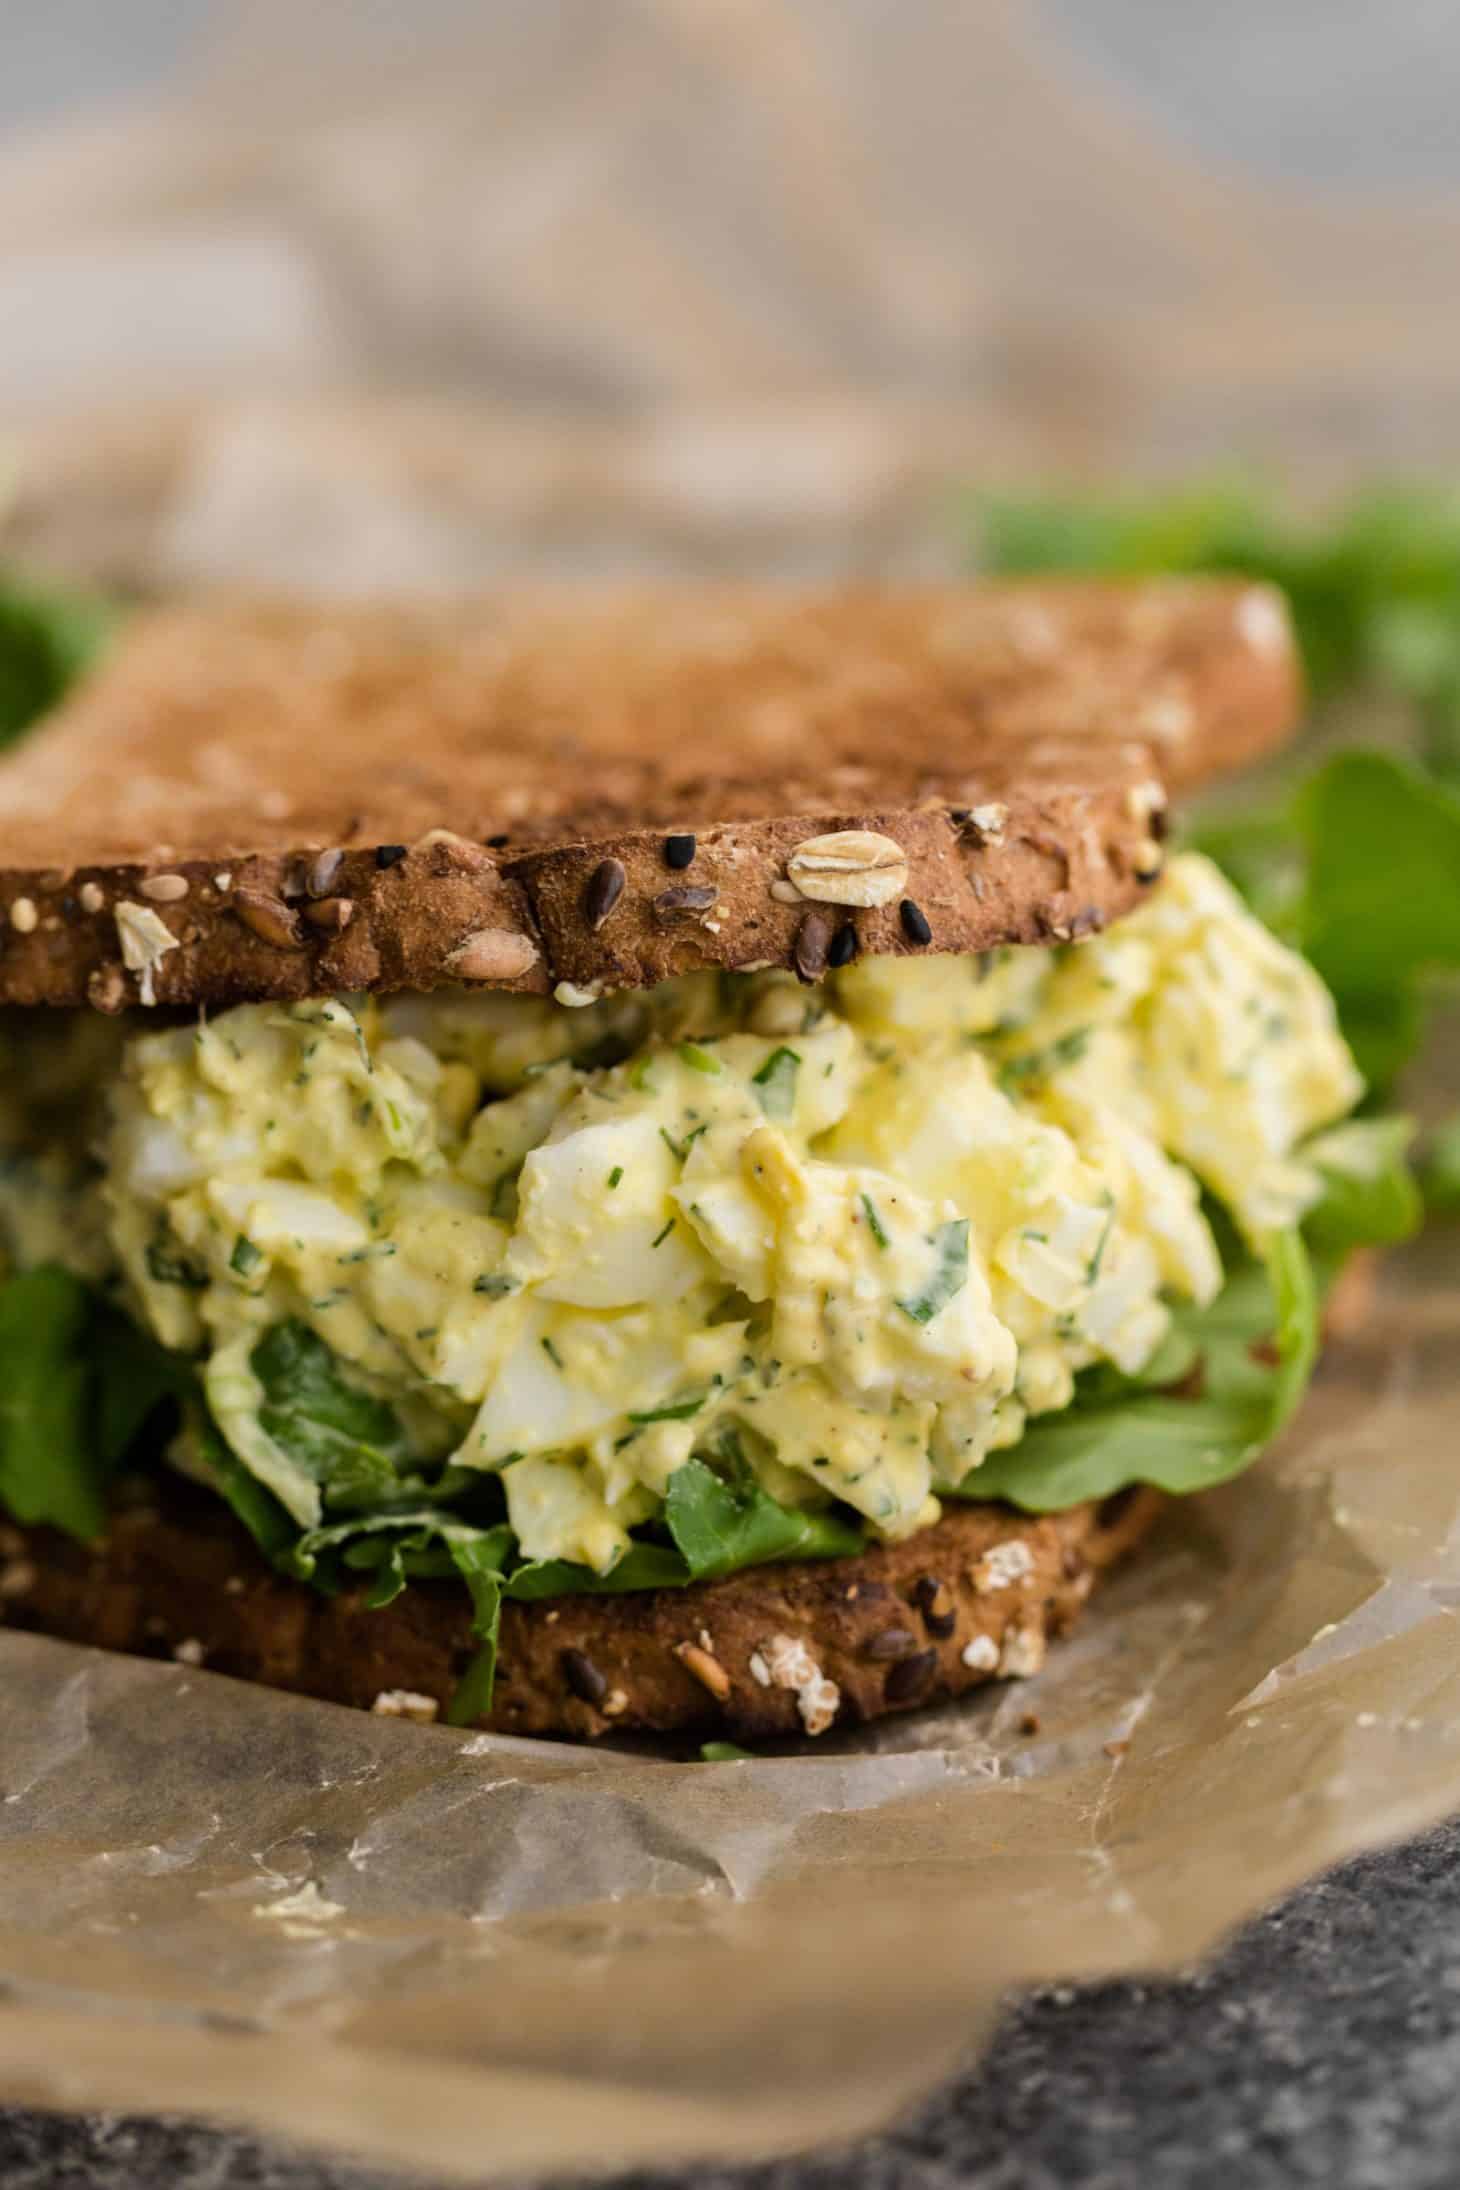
point(477, 767)
point(975, 1596)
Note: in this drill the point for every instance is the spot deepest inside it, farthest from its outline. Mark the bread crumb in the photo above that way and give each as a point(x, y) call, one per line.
point(189, 1652)
point(404, 1703)
point(17, 1578)
point(982, 1654)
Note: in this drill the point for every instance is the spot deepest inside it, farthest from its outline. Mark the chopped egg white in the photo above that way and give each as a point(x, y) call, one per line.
point(855, 1235)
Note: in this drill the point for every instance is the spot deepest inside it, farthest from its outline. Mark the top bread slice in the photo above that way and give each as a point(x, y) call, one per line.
point(266, 801)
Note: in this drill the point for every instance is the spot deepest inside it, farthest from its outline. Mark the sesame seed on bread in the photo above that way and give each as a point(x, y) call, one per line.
point(266, 801)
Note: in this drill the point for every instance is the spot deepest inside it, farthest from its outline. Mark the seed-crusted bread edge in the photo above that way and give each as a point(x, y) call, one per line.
point(770, 1652)
point(505, 802)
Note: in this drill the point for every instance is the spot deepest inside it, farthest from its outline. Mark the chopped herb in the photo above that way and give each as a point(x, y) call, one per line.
point(166, 1268)
point(552, 1353)
point(681, 1411)
point(661, 1237)
point(1038, 1064)
point(1100, 1245)
point(874, 1222)
point(699, 1059)
point(724, 1752)
point(245, 1258)
point(495, 1284)
point(949, 1275)
point(615, 1175)
point(639, 1076)
point(1031, 1231)
point(503, 1204)
point(776, 1081)
point(681, 1148)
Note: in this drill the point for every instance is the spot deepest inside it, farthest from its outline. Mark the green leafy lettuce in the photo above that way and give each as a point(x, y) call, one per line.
point(1355, 861)
point(78, 1385)
point(342, 1438)
point(1230, 1376)
point(46, 639)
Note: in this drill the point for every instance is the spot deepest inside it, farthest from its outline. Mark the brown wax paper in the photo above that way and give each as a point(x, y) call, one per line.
point(486, 1956)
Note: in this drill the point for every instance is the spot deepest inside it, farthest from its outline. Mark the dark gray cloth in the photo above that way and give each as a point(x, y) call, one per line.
point(1323, 2047)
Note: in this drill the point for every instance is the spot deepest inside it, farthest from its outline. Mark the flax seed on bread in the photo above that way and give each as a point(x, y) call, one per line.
point(254, 801)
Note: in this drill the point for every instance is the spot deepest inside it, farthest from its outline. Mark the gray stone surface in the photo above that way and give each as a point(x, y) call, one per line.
point(1323, 2048)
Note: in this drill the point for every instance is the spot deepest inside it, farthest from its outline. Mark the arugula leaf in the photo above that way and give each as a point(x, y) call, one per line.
point(479, 1565)
point(643, 1566)
point(78, 1383)
point(1440, 1176)
point(1252, 1352)
point(46, 640)
point(49, 1468)
point(272, 1527)
point(1375, 593)
point(1372, 928)
point(349, 1442)
point(1370, 1196)
point(133, 1378)
point(720, 1527)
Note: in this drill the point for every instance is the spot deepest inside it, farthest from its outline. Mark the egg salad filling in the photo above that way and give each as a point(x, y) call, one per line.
point(560, 1295)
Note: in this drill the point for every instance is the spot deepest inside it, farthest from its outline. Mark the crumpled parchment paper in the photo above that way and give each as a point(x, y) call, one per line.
point(470, 1954)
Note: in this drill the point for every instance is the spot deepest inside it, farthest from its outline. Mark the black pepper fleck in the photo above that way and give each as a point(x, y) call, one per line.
point(914, 922)
point(583, 1676)
point(843, 948)
point(389, 855)
point(893, 1642)
point(678, 851)
point(496, 842)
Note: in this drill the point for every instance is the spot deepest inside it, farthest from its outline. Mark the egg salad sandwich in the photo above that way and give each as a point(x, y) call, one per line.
point(689, 1162)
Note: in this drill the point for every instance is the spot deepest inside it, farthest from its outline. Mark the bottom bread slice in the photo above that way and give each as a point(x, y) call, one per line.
point(771, 1651)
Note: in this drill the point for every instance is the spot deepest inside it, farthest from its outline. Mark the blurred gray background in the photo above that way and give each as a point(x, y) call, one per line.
point(366, 293)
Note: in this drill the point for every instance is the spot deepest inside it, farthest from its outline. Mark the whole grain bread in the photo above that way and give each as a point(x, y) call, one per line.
point(267, 801)
point(772, 1651)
